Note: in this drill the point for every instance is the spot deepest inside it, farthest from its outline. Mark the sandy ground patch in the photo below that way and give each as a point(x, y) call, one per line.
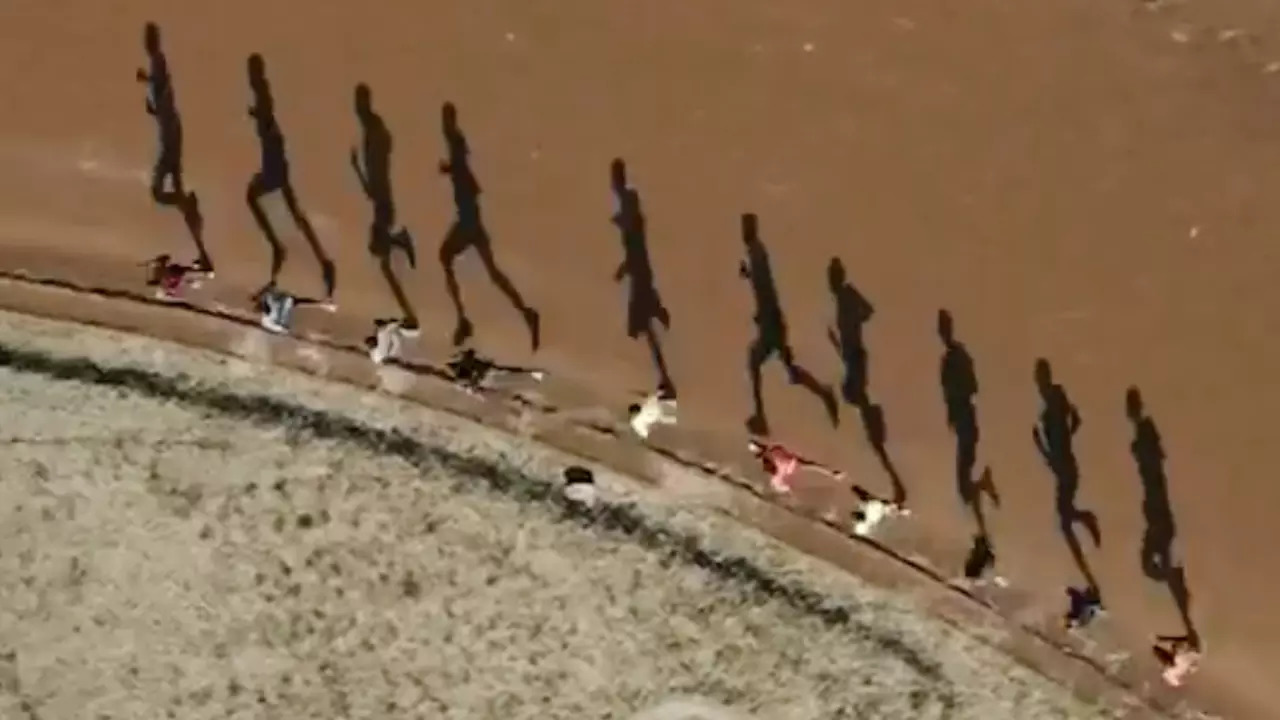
point(176, 546)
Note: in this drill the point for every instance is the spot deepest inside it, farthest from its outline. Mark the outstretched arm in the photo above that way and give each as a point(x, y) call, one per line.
point(624, 269)
point(819, 467)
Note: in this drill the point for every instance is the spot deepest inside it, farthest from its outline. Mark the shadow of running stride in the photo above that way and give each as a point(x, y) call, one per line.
point(645, 310)
point(1054, 437)
point(372, 166)
point(771, 332)
point(853, 311)
point(273, 177)
point(469, 233)
point(167, 185)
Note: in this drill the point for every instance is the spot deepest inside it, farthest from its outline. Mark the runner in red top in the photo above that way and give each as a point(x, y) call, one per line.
point(171, 278)
point(782, 464)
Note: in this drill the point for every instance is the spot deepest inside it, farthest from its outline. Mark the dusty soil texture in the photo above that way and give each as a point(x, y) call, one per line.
point(1088, 184)
point(182, 538)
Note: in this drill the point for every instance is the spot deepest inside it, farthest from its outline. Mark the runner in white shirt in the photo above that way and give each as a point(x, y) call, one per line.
point(658, 408)
point(872, 511)
point(388, 338)
point(277, 307)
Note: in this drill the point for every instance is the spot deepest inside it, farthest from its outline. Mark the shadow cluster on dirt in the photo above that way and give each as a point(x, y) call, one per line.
point(648, 317)
point(771, 332)
point(469, 233)
point(168, 187)
point(273, 176)
point(626, 521)
point(645, 309)
point(371, 163)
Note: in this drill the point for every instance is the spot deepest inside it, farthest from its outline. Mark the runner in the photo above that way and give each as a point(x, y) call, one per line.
point(658, 408)
point(388, 338)
point(170, 279)
point(471, 371)
point(782, 464)
point(277, 307)
point(980, 565)
point(580, 485)
point(872, 511)
point(1084, 606)
point(1180, 655)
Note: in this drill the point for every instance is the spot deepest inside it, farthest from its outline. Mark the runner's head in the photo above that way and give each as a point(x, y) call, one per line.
point(371, 342)
point(633, 409)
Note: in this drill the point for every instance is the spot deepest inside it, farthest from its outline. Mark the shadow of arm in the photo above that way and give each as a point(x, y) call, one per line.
point(355, 166)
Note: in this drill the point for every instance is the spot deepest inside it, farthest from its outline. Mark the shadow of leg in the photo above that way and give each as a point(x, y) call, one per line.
point(1077, 553)
point(454, 243)
point(877, 431)
point(756, 357)
point(327, 270)
point(531, 318)
point(805, 379)
point(659, 361)
point(194, 220)
point(253, 196)
point(1182, 599)
point(402, 300)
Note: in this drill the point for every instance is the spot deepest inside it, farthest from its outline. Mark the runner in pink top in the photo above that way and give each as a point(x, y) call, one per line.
point(1180, 656)
point(782, 464)
point(170, 278)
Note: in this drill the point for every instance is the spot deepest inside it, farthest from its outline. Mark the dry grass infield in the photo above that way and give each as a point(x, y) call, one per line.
point(186, 536)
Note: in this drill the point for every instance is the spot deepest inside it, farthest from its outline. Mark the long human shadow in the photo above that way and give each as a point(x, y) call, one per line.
point(273, 176)
point(1148, 453)
point(853, 311)
point(167, 185)
point(372, 166)
point(1054, 438)
point(645, 311)
point(959, 382)
point(1156, 554)
point(468, 232)
point(771, 332)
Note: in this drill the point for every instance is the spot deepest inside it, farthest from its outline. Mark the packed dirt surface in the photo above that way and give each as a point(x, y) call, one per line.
point(1085, 183)
point(185, 539)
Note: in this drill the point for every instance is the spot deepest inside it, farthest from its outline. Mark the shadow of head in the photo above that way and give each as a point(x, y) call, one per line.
point(946, 327)
point(364, 101)
point(1044, 378)
point(750, 231)
point(837, 278)
point(257, 68)
point(1133, 406)
point(449, 118)
point(618, 175)
point(151, 38)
